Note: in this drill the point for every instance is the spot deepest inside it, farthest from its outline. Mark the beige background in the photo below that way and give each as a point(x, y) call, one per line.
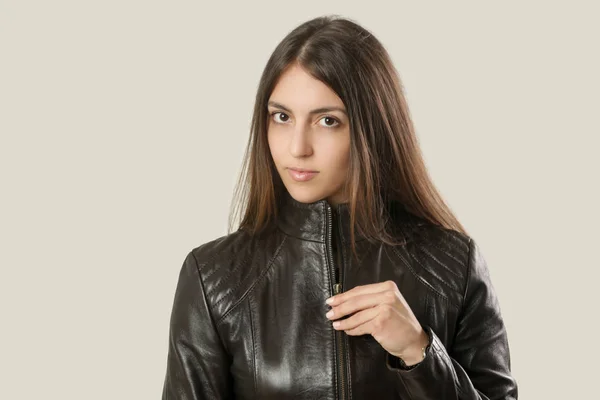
point(122, 130)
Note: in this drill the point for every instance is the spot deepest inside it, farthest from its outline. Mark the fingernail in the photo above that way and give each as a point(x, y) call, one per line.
point(336, 324)
point(329, 314)
point(329, 300)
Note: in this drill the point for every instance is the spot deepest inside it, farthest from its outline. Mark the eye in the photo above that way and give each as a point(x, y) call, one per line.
point(286, 118)
point(332, 122)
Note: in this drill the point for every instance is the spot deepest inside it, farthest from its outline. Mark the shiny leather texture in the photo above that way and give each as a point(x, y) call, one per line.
point(248, 318)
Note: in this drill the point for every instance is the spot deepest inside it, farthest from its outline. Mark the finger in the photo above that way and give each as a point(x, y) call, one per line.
point(361, 302)
point(359, 330)
point(362, 329)
point(374, 325)
point(356, 320)
point(360, 290)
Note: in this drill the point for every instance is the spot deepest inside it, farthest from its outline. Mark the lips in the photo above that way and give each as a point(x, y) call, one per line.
point(302, 170)
point(301, 175)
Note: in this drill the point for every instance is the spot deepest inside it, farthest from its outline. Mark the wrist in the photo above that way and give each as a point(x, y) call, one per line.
point(416, 353)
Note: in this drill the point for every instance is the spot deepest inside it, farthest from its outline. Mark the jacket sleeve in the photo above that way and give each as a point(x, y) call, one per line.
point(477, 366)
point(197, 362)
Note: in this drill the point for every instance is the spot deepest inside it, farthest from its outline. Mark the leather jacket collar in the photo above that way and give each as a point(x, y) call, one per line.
point(310, 221)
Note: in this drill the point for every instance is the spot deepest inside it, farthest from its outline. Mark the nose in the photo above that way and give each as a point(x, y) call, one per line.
point(300, 144)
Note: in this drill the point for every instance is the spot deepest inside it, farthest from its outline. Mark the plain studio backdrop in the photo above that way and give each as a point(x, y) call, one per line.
point(123, 125)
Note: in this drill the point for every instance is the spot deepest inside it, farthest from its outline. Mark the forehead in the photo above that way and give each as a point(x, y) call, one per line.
point(300, 91)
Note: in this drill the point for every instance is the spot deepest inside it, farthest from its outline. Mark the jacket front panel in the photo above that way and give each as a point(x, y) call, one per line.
point(266, 297)
point(294, 341)
point(249, 321)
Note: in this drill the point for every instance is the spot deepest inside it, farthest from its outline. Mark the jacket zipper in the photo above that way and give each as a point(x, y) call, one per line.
point(337, 289)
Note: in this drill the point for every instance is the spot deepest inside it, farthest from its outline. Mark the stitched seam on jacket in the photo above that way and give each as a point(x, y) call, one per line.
point(213, 256)
point(420, 279)
point(468, 278)
point(452, 256)
point(438, 280)
point(262, 274)
point(253, 346)
point(457, 238)
point(301, 238)
point(446, 267)
point(215, 323)
point(226, 279)
point(211, 259)
point(410, 395)
point(425, 268)
point(443, 354)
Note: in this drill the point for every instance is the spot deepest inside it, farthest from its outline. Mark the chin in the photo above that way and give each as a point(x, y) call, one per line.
point(305, 195)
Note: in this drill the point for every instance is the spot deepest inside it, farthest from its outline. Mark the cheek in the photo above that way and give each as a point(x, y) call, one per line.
point(339, 155)
point(275, 147)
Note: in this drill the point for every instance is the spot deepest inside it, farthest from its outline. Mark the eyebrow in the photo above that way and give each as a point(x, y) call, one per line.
point(312, 112)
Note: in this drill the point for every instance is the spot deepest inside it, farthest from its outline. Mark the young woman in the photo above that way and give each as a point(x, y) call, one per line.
point(348, 276)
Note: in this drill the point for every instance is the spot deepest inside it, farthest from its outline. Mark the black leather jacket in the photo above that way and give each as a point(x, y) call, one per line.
point(248, 318)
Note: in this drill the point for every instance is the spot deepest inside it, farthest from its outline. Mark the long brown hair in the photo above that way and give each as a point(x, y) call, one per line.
point(386, 163)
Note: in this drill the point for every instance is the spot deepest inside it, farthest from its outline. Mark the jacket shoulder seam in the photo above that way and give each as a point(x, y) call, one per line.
point(440, 263)
point(421, 280)
point(247, 292)
point(444, 283)
point(468, 273)
point(461, 258)
point(212, 317)
point(250, 316)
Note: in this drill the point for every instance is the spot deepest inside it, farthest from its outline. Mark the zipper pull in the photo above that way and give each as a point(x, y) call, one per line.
point(337, 288)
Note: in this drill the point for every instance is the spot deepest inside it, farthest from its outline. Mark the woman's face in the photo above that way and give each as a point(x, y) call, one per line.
point(308, 129)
